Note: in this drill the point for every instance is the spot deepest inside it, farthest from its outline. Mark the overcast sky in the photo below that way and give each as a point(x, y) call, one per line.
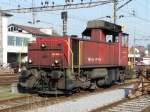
point(137, 25)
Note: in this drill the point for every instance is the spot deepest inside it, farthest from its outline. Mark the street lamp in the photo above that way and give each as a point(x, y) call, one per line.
point(45, 22)
point(109, 17)
point(39, 21)
point(30, 22)
point(121, 16)
point(104, 17)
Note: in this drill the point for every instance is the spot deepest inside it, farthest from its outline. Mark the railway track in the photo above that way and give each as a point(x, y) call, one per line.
point(30, 102)
point(22, 104)
point(134, 105)
point(12, 105)
point(8, 78)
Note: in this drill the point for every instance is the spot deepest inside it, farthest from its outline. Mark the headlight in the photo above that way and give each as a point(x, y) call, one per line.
point(56, 61)
point(53, 64)
point(43, 45)
point(30, 61)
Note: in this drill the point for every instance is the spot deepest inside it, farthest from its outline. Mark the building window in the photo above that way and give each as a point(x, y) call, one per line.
point(19, 41)
point(26, 40)
point(11, 40)
point(12, 28)
point(9, 29)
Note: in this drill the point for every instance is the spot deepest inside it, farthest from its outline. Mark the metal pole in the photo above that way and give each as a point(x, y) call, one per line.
point(1, 39)
point(114, 11)
point(33, 13)
point(134, 50)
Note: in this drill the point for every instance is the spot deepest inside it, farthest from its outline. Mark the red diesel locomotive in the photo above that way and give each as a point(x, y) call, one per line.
point(64, 64)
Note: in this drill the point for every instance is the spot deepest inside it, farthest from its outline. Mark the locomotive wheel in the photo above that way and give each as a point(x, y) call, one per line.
point(86, 85)
point(108, 81)
point(21, 89)
point(93, 86)
point(100, 82)
point(122, 78)
point(35, 72)
point(28, 80)
point(24, 75)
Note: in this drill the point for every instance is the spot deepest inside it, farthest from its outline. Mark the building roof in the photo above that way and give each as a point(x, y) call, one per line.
point(33, 30)
point(6, 14)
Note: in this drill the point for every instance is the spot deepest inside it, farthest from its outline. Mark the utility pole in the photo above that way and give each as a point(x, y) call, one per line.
point(114, 11)
point(134, 49)
point(1, 41)
point(33, 12)
point(115, 8)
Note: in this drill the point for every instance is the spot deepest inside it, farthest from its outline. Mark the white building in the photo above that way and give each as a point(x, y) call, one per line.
point(3, 37)
point(146, 61)
point(17, 46)
point(18, 37)
point(146, 58)
point(14, 39)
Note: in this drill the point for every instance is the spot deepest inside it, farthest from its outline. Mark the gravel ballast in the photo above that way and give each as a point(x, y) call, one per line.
point(87, 103)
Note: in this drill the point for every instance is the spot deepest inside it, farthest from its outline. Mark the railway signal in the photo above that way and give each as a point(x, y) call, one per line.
point(64, 16)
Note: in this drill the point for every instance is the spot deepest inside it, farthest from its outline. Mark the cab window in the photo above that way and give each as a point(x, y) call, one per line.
point(124, 40)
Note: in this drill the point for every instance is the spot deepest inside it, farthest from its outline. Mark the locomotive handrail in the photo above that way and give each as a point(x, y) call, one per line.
point(72, 56)
point(79, 59)
point(20, 55)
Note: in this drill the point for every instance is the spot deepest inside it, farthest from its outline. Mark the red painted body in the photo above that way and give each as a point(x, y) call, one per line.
point(94, 52)
point(56, 49)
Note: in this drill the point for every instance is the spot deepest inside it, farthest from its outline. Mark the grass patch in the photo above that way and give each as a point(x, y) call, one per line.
point(5, 92)
point(5, 86)
point(9, 95)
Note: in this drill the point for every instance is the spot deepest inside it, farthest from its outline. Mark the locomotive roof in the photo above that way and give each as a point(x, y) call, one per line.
point(101, 24)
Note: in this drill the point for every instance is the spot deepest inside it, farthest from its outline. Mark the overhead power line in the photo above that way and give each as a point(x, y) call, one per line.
point(59, 7)
point(116, 8)
point(124, 4)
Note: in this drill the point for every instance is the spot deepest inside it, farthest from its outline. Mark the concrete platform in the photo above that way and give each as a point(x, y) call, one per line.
point(87, 103)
